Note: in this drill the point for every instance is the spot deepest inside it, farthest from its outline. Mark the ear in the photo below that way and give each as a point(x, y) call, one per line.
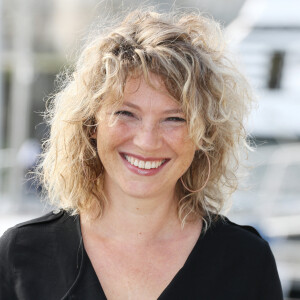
point(94, 133)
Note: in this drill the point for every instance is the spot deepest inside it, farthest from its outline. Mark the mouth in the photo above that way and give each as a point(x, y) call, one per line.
point(144, 164)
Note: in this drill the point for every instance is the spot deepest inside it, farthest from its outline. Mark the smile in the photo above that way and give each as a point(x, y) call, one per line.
point(141, 164)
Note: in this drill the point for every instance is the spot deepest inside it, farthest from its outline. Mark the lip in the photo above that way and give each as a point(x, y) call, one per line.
point(143, 172)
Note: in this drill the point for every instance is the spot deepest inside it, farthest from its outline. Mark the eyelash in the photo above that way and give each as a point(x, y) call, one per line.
point(124, 113)
point(130, 114)
point(176, 119)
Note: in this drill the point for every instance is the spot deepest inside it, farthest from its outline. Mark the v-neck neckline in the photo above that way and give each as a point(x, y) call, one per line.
point(188, 261)
point(185, 266)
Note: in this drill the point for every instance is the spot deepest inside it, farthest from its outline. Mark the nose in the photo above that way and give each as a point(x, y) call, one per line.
point(148, 137)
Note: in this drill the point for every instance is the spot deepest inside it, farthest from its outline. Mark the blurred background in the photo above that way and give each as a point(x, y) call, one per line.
point(37, 40)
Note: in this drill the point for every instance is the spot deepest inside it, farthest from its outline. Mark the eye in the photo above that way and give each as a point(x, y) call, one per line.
point(175, 119)
point(124, 113)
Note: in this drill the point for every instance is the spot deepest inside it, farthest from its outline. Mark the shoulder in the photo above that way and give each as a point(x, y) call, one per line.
point(238, 259)
point(46, 241)
point(229, 231)
point(41, 250)
point(50, 220)
point(251, 257)
point(236, 241)
point(37, 232)
point(239, 246)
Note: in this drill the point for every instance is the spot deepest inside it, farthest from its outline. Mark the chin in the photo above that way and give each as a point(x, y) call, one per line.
point(139, 190)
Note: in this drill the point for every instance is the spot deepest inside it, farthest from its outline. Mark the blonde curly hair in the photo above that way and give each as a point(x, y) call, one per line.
point(188, 52)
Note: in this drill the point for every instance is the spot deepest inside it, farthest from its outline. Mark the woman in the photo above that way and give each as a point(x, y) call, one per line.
point(144, 146)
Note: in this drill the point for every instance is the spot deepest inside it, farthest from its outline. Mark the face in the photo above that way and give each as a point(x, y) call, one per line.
point(147, 149)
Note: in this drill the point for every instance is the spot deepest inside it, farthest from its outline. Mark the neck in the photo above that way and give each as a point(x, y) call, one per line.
point(138, 220)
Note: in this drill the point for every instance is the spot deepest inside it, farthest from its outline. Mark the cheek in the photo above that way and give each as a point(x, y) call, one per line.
point(178, 139)
point(182, 145)
point(110, 137)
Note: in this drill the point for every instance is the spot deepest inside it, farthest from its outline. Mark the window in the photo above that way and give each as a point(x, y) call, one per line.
point(276, 69)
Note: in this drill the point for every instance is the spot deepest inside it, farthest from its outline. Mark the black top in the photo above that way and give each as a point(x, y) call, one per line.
point(45, 259)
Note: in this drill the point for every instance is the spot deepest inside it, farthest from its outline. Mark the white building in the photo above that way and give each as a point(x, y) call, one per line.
point(268, 33)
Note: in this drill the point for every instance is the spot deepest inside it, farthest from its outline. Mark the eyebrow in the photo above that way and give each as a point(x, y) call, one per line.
point(168, 111)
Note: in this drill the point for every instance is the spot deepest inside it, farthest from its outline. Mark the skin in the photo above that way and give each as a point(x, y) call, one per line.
point(140, 225)
point(149, 126)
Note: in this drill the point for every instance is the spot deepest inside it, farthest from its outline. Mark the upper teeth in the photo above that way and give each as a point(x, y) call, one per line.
point(144, 164)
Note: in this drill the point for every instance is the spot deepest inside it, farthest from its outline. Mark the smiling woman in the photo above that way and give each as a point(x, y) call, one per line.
point(144, 145)
point(148, 138)
point(187, 55)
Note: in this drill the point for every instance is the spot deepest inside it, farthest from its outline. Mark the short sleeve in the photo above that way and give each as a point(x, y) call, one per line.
point(7, 283)
point(270, 286)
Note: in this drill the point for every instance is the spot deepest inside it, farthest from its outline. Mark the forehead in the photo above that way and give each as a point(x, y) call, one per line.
point(133, 83)
point(152, 89)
